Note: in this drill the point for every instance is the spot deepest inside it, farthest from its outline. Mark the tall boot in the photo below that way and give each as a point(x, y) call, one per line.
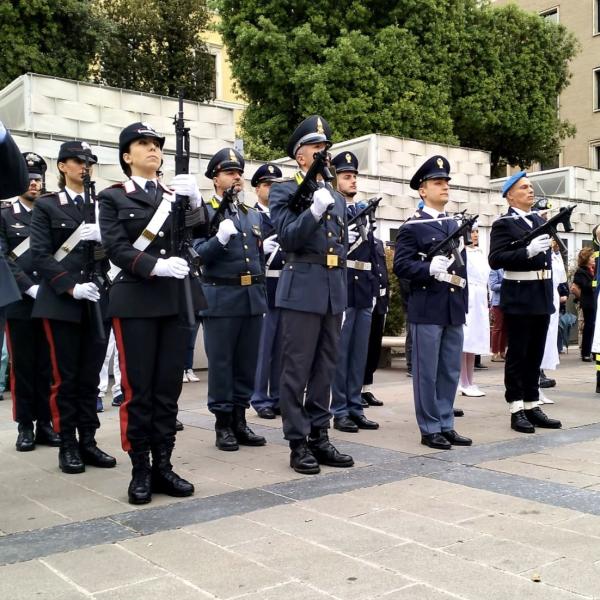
point(325, 452)
point(45, 434)
point(140, 487)
point(90, 453)
point(242, 432)
point(69, 458)
point(226, 439)
point(164, 479)
point(25, 439)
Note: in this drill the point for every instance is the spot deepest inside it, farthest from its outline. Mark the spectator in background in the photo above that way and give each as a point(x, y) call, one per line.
point(497, 316)
point(188, 372)
point(117, 395)
point(583, 290)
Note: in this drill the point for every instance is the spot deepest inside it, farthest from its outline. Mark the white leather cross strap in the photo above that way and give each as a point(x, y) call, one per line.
point(359, 265)
point(147, 236)
point(273, 272)
point(70, 243)
point(528, 275)
point(452, 279)
point(20, 249)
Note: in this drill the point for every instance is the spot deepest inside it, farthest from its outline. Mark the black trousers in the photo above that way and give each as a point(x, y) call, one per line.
point(76, 357)
point(374, 351)
point(587, 335)
point(526, 341)
point(29, 370)
point(151, 359)
point(309, 346)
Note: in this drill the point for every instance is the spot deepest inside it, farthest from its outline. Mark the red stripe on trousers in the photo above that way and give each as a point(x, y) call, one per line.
point(12, 373)
point(56, 378)
point(125, 387)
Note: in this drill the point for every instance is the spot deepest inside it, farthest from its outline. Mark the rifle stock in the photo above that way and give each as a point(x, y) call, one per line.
point(450, 244)
point(302, 198)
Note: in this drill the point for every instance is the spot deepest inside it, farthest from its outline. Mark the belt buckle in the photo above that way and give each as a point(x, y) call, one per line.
point(66, 248)
point(245, 279)
point(148, 235)
point(540, 274)
point(333, 260)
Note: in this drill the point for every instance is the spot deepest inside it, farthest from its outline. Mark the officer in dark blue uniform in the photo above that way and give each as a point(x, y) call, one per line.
point(526, 298)
point(436, 307)
point(233, 280)
point(30, 360)
point(265, 398)
point(312, 297)
point(346, 401)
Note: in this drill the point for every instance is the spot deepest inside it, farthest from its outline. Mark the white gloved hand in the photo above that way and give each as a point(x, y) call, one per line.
point(90, 232)
point(185, 185)
point(32, 291)
point(322, 198)
point(227, 229)
point(174, 266)
point(538, 245)
point(353, 234)
point(269, 244)
point(439, 265)
point(86, 291)
point(2, 131)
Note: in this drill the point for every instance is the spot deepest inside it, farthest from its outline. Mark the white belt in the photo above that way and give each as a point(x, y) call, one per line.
point(528, 275)
point(273, 273)
point(20, 249)
point(69, 244)
point(359, 265)
point(453, 279)
point(147, 236)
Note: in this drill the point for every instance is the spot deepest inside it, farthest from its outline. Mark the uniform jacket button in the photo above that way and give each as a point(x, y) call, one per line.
point(163, 251)
point(131, 215)
point(161, 234)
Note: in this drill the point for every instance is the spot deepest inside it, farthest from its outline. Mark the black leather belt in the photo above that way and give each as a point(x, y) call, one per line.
point(245, 279)
point(327, 260)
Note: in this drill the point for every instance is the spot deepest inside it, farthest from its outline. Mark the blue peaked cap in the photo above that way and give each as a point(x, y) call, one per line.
point(511, 181)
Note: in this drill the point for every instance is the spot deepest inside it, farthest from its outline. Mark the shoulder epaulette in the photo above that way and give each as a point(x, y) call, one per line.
point(115, 185)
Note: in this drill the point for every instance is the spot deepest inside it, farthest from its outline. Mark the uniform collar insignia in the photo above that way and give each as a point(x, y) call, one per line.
point(129, 186)
point(63, 200)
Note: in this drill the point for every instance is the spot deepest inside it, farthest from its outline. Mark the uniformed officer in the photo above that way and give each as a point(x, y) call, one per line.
point(60, 257)
point(233, 280)
point(265, 398)
point(145, 304)
point(526, 298)
point(30, 381)
point(312, 297)
point(437, 306)
point(362, 289)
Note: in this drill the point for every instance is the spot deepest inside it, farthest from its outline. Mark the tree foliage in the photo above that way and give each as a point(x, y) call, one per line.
point(451, 71)
point(47, 37)
point(155, 46)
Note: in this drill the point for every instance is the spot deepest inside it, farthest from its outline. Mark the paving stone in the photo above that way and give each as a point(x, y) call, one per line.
point(571, 575)
point(418, 592)
point(230, 531)
point(344, 505)
point(289, 591)
point(586, 524)
point(155, 589)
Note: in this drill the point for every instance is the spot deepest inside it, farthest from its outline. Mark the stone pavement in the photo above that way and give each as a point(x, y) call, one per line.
point(513, 516)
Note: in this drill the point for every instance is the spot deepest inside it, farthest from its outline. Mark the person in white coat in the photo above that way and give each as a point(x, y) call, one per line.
point(477, 326)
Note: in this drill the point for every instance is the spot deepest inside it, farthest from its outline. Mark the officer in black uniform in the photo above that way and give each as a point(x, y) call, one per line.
point(28, 349)
point(362, 286)
point(265, 398)
point(233, 280)
point(146, 306)
point(312, 295)
point(526, 298)
point(59, 254)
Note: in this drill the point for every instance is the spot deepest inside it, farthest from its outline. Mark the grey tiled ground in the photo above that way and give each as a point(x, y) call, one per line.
point(513, 516)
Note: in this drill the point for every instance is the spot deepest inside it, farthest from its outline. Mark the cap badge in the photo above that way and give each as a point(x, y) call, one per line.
point(348, 157)
point(232, 156)
point(31, 158)
point(270, 169)
point(148, 126)
point(440, 163)
point(86, 146)
point(320, 129)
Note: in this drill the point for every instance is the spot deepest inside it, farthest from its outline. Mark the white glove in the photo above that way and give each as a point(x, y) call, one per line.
point(226, 230)
point(185, 185)
point(2, 132)
point(269, 244)
point(353, 234)
point(538, 245)
point(32, 291)
point(90, 232)
point(439, 265)
point(86, 291)
point(174, 266)
point(322, 198)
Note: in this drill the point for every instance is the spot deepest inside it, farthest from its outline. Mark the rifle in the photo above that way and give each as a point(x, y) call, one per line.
point(228, 201)
point(449, 245)
point(89, 216)
point(302, 198)
point(181, 240)
point(360, 216)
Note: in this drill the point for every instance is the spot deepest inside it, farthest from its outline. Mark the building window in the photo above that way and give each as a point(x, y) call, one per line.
point(596, 17)
point(550, 15)
point(595, 155)
point(597, 89)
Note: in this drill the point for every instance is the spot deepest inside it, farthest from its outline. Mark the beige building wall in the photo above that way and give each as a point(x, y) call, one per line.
point(578, 101)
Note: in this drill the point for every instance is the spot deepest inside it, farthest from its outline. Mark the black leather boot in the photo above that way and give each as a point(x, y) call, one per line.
point(325, 452)
point(45, 434)
point(140, 487)
point(90, 453)
point(302, 460)
point(25, 439)
point(164, 479)
point(538, 418)
point(69, 458)
point(597, 382)
point(226, 439)
point(243, 434)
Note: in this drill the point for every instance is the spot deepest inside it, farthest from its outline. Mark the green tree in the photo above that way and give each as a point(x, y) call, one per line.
point(155, 46)
point(47, 37)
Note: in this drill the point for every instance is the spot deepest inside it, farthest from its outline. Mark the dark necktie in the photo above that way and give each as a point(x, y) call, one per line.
point(444, 224)
point(151, 190)
point(351, 210)
point(78, 201)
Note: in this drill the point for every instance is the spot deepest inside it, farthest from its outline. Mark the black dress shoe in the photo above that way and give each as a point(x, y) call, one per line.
point(345, 424)
point(435, 440)
point(266, 413)
point(91, 454)
point(459, 412)
point(479, 365)
point(45, 434)
point(371, 400)
point(363, 402)
point(25, 439)
point(225, 438)
point(140, 487)
point(117, 400)
point(455, 439)
point(178, 425)
point(546, 382)
point(519, 422)
point(277, 410)
point(302, 460)
point(69, 459)
point(325, 452)
point(586, 358)
point(538, 418)
point(243, 434)
point(164, 479)
point(363, 423)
